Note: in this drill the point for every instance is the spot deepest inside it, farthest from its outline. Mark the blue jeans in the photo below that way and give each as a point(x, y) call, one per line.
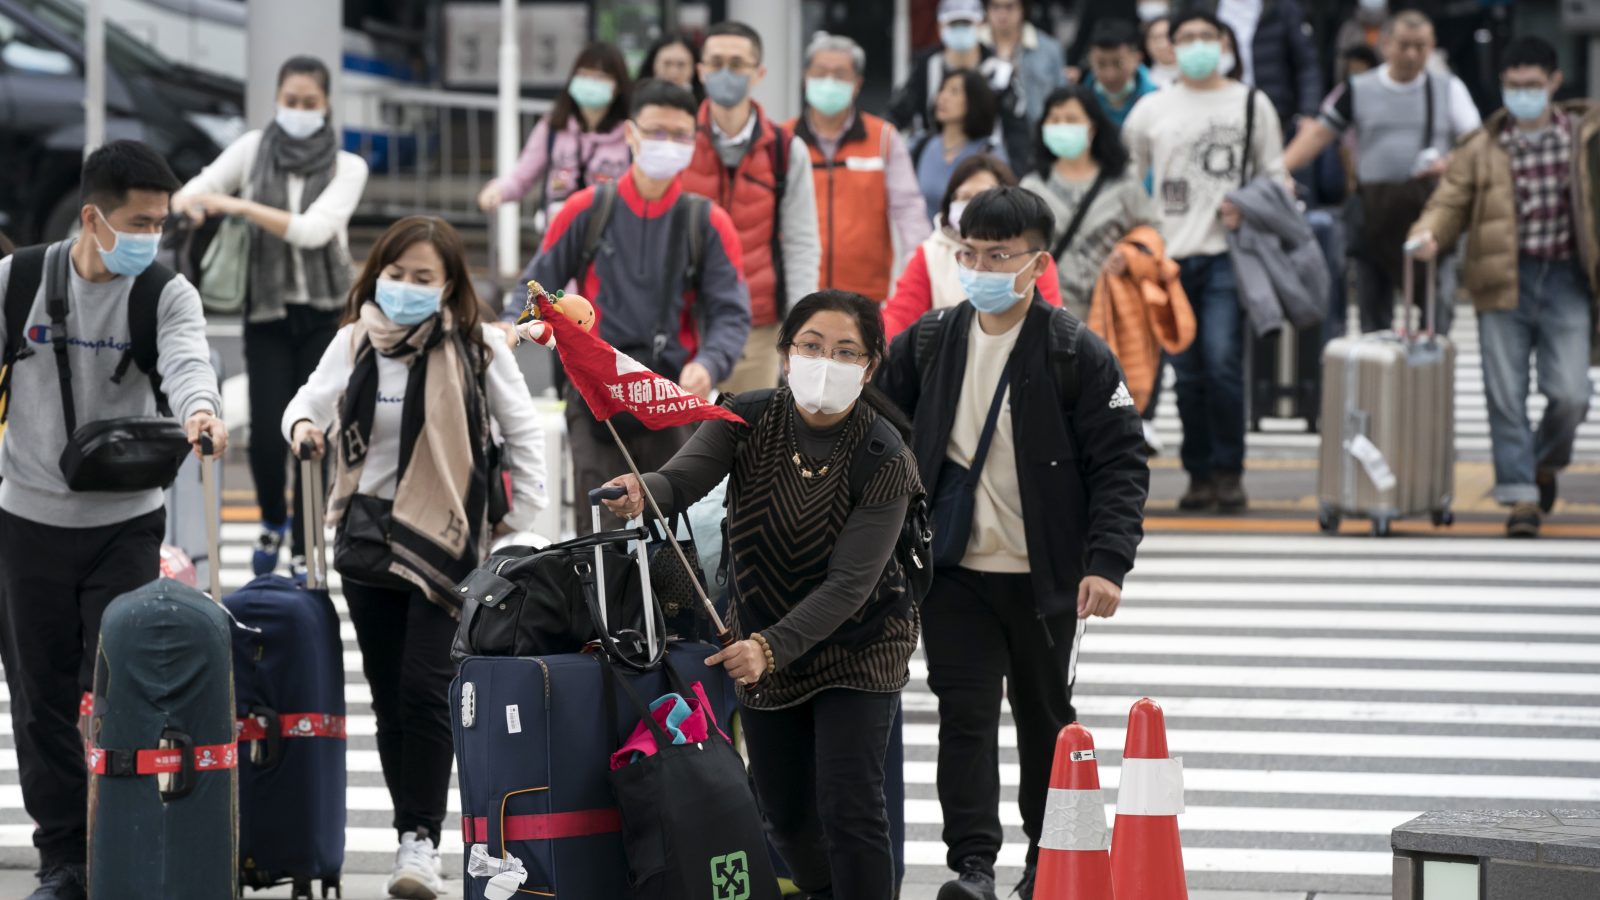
point(1211, 372)
point(1552, 322)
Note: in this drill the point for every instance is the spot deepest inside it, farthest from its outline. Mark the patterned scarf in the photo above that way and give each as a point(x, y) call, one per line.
point(327, 268)
point(441, 501)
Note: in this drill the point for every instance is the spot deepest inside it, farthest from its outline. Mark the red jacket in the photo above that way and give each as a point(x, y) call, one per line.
point(750, 195)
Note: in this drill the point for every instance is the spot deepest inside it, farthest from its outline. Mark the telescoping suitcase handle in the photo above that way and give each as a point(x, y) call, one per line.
point(1430, 308)
point(213, 513)
point(311, 512)
point(647, 598)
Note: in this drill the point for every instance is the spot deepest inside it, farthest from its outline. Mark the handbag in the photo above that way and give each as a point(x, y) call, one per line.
point(690, 826)
point(499, 505)
point(673, 584)
point(225, 268)
point(953, 495)
point(361, 551)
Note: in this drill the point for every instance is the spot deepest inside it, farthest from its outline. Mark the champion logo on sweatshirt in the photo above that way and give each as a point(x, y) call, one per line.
point(40, 334)
point(1120, 397)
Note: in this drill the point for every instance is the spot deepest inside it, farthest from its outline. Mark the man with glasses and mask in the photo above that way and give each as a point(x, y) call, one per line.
point(685, 317)
point(1006, 391)
point(65, 554)
point(762, 177)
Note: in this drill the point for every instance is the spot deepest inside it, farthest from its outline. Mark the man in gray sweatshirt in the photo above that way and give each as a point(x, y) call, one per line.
point(65, 555)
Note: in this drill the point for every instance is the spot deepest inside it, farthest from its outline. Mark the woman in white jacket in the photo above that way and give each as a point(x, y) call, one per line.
point(407, 391)
point(297, 190)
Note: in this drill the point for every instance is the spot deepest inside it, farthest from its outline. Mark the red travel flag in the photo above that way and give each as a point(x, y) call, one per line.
point(613, 382)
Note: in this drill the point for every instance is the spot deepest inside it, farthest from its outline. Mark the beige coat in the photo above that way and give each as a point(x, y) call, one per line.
point(1477, 196)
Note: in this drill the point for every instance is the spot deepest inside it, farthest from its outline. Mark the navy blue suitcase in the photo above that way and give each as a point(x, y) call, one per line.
point(289, 682)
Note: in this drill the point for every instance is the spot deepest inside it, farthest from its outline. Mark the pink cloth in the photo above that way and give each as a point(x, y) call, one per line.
point(694, 728)
point(577, 159)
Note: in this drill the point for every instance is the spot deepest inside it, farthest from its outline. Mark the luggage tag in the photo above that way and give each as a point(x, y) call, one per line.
point(505, 875)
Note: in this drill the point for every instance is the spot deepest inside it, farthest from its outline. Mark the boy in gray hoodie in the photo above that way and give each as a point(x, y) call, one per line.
point(65, 555)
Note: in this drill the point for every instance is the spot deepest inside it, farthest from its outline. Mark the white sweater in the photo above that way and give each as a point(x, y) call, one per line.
point(510, 409)
point(328, 217)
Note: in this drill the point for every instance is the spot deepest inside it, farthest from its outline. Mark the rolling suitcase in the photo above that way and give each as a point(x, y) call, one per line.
point(1286, 376)
point(1388, 442)
point(159, 737)
point(533, 756)
point(288, 663)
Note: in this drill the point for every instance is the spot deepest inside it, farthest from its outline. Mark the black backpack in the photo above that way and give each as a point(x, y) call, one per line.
point(882, 443)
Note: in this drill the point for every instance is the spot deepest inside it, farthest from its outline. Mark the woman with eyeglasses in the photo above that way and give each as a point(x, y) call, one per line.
point(819, 484)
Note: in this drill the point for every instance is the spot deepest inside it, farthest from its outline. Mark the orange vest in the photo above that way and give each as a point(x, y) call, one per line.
point(853, 206)
point(749, 194)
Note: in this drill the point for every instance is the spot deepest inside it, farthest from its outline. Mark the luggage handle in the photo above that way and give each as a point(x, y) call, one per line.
point(647, 595)
point(180, 784)
point(1430, 308)
point(311, 515)
point(592, 583)
point(213, 514)
point(267, 753)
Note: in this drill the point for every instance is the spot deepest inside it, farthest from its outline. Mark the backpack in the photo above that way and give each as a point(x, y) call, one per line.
point(914, 547)
point(1061, 344)
point(605, 200)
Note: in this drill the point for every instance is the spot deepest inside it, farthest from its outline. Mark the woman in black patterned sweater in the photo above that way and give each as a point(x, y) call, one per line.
point(820, 483)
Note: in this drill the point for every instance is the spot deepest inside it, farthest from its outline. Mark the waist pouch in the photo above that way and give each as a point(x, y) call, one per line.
point(361, 546)
point(125, 454)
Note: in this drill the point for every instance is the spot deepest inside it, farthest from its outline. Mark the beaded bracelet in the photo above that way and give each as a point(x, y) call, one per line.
point(766, 648)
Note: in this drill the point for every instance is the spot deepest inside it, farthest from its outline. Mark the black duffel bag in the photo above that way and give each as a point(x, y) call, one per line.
point(127, 454)
point(527, 602)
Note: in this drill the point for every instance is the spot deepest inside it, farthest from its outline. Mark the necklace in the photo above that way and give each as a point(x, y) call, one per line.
point(794, 448)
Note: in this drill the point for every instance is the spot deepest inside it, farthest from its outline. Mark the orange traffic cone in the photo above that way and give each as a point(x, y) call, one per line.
point(1146, 856)
point(1073, 864)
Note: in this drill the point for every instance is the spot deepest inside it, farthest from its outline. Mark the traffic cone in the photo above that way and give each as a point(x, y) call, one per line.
point(1146, 856)
point(1073, 864)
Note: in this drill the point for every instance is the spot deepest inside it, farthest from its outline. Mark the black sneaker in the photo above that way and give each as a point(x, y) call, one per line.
point(1202, 494)
point(1546, 480)
point(1230, 492)
point(1524, 521)
point(61, 883)
point(1024, 887)
point(976, 881)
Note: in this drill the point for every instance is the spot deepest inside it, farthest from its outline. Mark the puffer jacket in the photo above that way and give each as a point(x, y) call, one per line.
point(1477, 196)
point(1143, 311)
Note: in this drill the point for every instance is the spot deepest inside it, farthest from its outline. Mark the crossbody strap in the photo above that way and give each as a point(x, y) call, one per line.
point(1078, 215)
point(975, 470)
point(1427, 127)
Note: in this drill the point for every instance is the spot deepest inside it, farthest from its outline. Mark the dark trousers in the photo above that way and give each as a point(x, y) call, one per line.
point(280, 357)
point(405, 654)
point(819, 771)
point(982, 632)
point(54, 585)
point(596, 459)
point(1210, 373)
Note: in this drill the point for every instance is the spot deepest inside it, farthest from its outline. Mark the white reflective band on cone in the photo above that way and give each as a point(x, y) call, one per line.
point(1074, 820)
point(1151, 787)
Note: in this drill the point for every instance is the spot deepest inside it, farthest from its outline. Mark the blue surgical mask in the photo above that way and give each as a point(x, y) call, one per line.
point(1067, 140)
point(1198, 60)
point(407, 304)
point(131, 254)
point(727, 89)
point(990, 292)
point(959, 37)
point(591, 93)
point(829, 96)
point(1525, 104)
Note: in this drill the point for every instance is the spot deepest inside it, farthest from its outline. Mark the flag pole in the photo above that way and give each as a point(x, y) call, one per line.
point(723, 635)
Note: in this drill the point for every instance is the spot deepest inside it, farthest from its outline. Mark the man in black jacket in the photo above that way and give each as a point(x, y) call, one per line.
point(1021, 394)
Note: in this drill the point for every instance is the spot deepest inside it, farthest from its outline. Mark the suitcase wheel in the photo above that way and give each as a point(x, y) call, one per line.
point(1443, 518)
point(1328, 520)
point(1380, 528)
point(330, 888)
point(301, 889)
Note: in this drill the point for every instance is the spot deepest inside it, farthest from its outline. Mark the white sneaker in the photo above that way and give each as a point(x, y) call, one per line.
point(417, 869)
point(1152, 439)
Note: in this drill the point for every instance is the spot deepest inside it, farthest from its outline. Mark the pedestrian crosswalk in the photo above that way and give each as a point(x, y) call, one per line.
point(1321, 691)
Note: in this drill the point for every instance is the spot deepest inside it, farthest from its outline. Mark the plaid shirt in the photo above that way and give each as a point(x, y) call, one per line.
point(1541, 173)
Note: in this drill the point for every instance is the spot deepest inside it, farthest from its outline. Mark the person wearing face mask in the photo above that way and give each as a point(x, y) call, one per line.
point(929, 280)
point(1514, 188)
point(1203, 138)
point(688, 321)
point(1274, 52)
point(761, 175)
point(820, 481)
point(1160, 57)
point(412, 340)
point(1039, 59)
point(1116, 75)
point(66, 554)
point(1030, 445)
point(866, 187)
point(914, 106)
point(579, 143)
point(297, 190)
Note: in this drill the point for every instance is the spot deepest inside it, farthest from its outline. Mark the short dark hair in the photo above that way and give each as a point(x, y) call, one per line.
point(655, 92)
point(737, 29)
point(1005, 212)
point(1109, 34)
point(1107, 149)
point(869, 319)
point(306, 65)
point(1529, 50)
point(982, 108)
point(122, 166)
point(1022, 3)
point(963, 171)
point(602, 57)
point(1190, 15)
point(1361, 53)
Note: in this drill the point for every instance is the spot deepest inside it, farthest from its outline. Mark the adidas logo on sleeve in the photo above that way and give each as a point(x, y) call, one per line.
point(1121, 397)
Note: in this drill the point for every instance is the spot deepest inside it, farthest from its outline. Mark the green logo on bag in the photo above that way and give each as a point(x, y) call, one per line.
point(730, 877)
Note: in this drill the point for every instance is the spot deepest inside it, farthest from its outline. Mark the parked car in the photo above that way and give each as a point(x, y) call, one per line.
point(186, 114)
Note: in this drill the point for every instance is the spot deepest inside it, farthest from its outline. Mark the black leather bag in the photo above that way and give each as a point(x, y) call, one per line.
point(127, 454)
point(361, 546)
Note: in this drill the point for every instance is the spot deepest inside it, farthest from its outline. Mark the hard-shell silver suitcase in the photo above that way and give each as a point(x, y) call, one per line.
point(1388, 422)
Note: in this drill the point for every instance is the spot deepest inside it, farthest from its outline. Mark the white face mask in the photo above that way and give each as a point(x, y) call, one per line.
point(300, 123)
point(822, 385)
point(957, 207)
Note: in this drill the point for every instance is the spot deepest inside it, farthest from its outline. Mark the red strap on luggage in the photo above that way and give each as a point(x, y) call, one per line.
point(545, 826)
point(207, 758)
point(296, 725)
point(86, 705)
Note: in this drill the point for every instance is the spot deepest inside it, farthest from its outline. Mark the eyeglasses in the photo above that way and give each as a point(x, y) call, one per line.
point(993, 260)
point(661, 134)
point(814, 350)
point(736, 66)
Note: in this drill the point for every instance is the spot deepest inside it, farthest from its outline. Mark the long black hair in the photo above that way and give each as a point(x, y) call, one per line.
point(873, 339)
point(982, 108)
point(1106, 149)
point(602, 57)
point(647, 68)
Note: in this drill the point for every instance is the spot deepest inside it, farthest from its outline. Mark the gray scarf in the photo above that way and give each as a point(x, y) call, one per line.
point(327, 268)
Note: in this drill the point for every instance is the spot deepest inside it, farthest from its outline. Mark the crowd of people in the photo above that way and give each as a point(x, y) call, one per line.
point(975, 291)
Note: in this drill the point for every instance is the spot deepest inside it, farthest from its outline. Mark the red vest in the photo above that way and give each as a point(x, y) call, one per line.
point(853, 206)
point(749, 194)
